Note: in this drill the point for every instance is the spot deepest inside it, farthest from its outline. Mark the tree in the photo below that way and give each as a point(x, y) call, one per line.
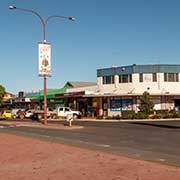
point(2, 92)
point(146, 104)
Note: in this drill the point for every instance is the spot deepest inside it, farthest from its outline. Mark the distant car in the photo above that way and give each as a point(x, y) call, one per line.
point(64, 111)
point(29, 114)
point(7, 114)
point(17, 112)
point(22, 113)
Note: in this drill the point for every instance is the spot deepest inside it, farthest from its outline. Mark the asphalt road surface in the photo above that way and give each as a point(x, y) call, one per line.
point(153, 141)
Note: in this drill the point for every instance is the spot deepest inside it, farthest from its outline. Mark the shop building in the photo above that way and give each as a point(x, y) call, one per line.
point(77, 97)
point(72, 95)
point(121, 88)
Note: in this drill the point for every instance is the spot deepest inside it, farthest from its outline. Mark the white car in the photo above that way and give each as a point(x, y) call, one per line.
point(28, 113)
point(64, 111)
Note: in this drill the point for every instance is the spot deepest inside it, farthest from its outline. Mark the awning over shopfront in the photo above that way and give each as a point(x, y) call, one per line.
point(70, 94)
point(50, 94)
point(33, 96)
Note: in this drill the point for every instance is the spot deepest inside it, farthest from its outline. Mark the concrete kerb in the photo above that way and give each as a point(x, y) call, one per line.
point(39, 125)
point(127, 120)
point(147, 120)
point(61, 126)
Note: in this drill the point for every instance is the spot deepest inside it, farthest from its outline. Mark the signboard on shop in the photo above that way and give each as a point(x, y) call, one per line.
point(121, 105)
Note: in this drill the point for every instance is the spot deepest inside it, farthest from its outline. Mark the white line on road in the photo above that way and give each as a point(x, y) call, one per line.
point(94, 144)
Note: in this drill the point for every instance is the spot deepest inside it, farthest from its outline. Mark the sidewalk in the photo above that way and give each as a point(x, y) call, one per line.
point(119, 120)
point(38, 125)
point(31, 159)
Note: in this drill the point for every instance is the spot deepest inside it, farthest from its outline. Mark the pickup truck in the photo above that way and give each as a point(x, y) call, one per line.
point(64, 111)
point(60, 112)
point(39, 114)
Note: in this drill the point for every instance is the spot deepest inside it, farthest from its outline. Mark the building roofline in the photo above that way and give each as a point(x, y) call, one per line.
point(132, 69)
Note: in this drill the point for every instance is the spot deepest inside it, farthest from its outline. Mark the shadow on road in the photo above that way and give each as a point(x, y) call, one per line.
point(157, 125)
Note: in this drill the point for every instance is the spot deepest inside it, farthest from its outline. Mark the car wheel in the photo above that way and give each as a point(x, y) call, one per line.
point(75, 116)
point(39, 116)
point(21, 116)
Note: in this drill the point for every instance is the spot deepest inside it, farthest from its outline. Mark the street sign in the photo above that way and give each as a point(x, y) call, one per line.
point(44, 59)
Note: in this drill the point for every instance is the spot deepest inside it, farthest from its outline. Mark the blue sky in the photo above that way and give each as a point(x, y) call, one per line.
point(106, 33)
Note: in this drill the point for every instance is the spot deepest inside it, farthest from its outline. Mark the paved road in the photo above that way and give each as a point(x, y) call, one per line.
point(154, 141)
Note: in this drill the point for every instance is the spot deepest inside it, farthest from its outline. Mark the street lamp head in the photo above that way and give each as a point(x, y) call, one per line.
point(12, 7)
point(71, 19)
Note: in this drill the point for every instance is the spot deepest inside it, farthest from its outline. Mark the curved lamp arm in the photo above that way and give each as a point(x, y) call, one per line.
point(44, 22)
point(62, 17)
point(35, 13)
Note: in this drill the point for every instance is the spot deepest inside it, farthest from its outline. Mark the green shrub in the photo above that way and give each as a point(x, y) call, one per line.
point(156, 116)
point(167, 114)
point(161, 111)
point(173, 111)
point(146, 104)
point(117, 117)
point(113, 117)
point(128, 114)
point(99, 117)
point(108, 117)
point(175, 115)
point(170, 115)
point(141, 115)
point(178, 114)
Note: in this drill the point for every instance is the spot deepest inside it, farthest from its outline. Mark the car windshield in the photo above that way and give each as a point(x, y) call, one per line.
point(67, 109)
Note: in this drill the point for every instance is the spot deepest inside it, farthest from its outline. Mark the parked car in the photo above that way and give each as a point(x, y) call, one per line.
point(29, 113)
point(65, 111)
point(17, 112)
point(7, 114)
point(39, 114)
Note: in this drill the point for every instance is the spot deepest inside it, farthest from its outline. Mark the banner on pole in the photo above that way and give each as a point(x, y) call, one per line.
point(44, 59)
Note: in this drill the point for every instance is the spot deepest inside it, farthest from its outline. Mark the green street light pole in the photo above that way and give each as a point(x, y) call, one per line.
point(44, 23)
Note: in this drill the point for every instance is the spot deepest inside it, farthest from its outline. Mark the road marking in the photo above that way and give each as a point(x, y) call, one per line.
point(105, 145)
point(46, 136)
point(162, 160)
point(95, 144)
point(66, 139)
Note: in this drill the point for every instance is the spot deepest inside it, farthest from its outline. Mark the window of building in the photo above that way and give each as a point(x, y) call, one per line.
point(125, 78)
point(171, 77)
point(108, 79)
point(130, 77)
point(177, 77)
point(165, 77)
point(154, 77)
point(140, 77)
